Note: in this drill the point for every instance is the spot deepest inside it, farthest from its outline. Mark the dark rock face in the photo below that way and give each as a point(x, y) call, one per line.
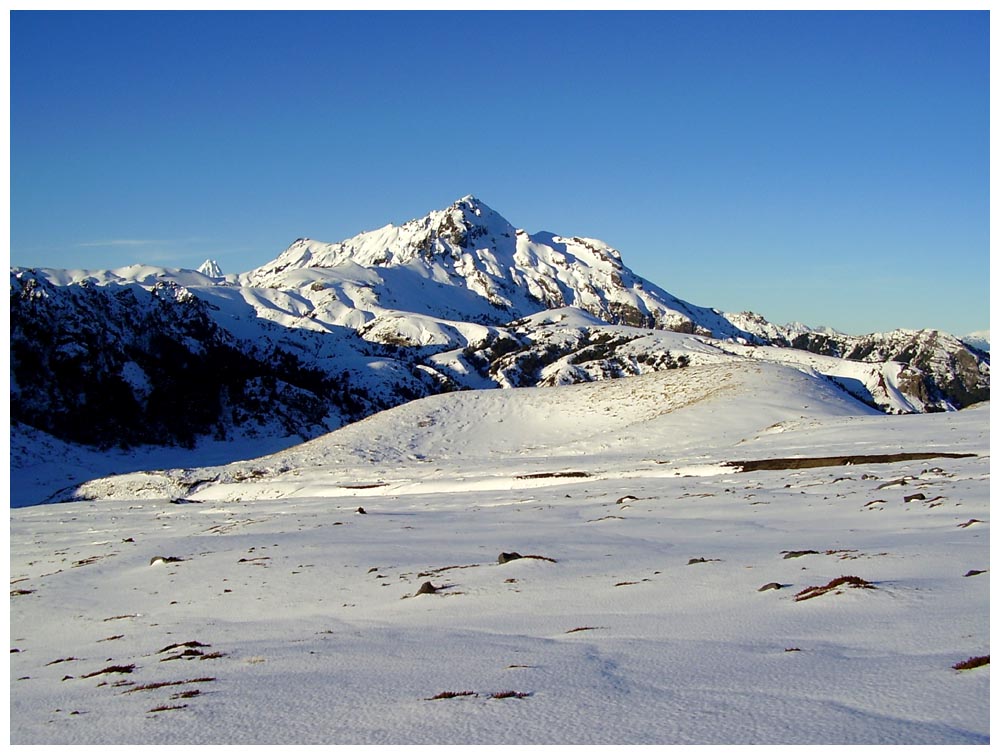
point(123, 365)
point(940, 371)
point(505, 557)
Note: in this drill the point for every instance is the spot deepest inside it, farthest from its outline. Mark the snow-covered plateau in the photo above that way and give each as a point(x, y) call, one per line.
point(733, 552)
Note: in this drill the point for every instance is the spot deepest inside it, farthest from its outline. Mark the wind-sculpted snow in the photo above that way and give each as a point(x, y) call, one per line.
point(700, 412)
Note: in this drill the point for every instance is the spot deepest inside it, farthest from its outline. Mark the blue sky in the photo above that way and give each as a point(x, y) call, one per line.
point(830, 168)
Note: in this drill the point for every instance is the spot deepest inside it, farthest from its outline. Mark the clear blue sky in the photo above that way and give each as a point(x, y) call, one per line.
point(831, 168)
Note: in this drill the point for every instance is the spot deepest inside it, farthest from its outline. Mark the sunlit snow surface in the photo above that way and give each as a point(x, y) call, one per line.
point(311, 631)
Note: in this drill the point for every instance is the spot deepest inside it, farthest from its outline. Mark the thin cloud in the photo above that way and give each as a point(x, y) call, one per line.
point(123, 242)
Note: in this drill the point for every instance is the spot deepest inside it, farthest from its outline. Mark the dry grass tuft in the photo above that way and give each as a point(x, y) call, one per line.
point(189, 644)
point(61, 660)
point(111, 670)
point(974, 662)
point(545, 475)
point(450, 695)
point(848, 581)
point(160, 685)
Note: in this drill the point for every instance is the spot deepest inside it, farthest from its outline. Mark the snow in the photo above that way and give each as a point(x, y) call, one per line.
point(294, 617)
point(979, 339)
point(211, 268)
point(311, 631)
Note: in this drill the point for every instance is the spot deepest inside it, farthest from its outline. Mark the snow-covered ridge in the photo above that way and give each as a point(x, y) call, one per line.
point(706, 410)
point(980, 340)
point(328, 334)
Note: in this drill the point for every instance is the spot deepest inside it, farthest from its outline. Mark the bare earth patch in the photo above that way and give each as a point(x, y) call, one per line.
point(832, 585)
point(837, 461)
point(974, 662)
point(450, 695)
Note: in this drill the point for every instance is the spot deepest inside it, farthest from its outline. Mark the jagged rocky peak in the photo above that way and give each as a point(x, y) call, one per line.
point(487, 270)
point(468, 219)
point(440, 235)
point(211, 268)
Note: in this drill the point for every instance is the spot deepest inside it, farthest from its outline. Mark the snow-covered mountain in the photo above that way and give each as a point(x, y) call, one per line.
point(979, 340)
point(211, 268)
point(733, 544)
point(467, 263)
point(327, 334)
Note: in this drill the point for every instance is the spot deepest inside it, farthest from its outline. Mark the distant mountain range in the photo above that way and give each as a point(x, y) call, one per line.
point(327, 334)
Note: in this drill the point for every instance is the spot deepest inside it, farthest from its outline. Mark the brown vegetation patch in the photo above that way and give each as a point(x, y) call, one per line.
point(89, 560)
point(974, 662)
point(450, 695)
point(504, 557)
point(161, 708)
point(509, 693)
point(159, 685)
point(184, 655)
point(431, 572)
point(837, 461)
point(544, 475)
point(188, 644)
point(126, 669)
point(815, 592)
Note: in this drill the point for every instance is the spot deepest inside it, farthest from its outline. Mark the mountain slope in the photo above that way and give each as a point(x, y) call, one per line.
point(327, 334)
point(698, 413)
point(509, 273)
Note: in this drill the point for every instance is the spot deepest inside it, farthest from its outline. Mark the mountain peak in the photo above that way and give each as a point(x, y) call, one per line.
point(466, 220)
point(211, 268)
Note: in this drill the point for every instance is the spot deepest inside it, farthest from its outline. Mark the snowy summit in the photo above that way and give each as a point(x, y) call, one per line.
point(211, 269)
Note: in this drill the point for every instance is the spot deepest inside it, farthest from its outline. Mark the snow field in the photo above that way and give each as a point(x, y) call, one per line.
point(646, 626)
